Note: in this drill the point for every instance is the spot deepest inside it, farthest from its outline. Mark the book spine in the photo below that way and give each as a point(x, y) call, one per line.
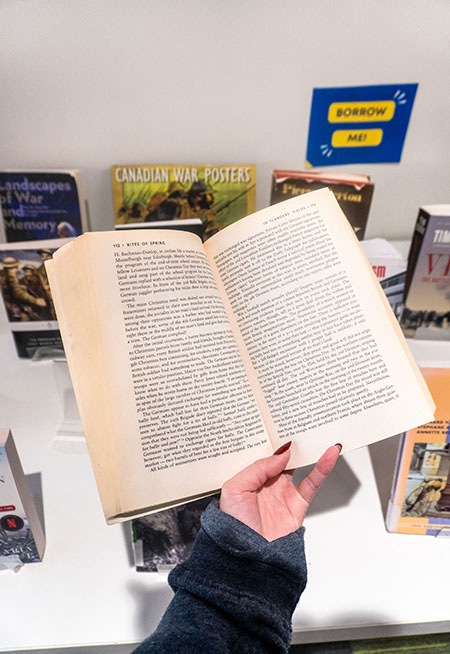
point(414, 250)
point(2, 227)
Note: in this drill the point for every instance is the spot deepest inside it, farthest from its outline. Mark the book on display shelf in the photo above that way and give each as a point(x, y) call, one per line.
point(217, 195)
point(426, 297)
point(190, 360)
point(22, 538)
point(41, 205)
point(163, 539)
point(389, 267)
point(26, 296)
point(193, 225)
point(420, 496)
point(353, 192)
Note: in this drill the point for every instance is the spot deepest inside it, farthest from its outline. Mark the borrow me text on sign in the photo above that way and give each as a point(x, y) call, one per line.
point(359, 124)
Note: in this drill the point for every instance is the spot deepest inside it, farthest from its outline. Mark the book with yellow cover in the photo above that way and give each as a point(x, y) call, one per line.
point(420, 498)
point(217, 195)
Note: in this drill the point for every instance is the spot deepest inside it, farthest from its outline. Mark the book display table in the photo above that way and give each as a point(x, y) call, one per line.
point(363, 581)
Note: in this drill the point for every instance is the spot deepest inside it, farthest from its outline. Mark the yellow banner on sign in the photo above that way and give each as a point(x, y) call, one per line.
point(354, 138)
point(361, 112)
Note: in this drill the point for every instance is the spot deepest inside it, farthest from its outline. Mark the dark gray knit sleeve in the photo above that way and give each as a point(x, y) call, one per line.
point(235, 593)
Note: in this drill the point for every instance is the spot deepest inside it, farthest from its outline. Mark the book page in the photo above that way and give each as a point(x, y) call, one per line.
point(183, 415)
point(75, 304)
point(328, 360)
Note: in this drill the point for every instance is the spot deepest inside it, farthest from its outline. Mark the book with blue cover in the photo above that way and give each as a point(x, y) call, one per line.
point(41, 204)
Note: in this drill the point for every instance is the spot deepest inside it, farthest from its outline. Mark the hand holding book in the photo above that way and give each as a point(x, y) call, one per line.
point(263, 496)
point(190, 361)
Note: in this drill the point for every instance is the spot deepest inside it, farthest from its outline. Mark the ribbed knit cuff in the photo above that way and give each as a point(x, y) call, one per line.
point(253, 580)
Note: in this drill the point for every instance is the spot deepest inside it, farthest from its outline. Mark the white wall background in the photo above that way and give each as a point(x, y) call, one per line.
point(90, 83)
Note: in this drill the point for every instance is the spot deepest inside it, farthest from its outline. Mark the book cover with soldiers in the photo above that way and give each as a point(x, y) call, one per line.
point(41, 205)
point(163, 539)
point(426, 298)
point(26, 295)
point(420, 497)
point(217, 195)
point(353, 192)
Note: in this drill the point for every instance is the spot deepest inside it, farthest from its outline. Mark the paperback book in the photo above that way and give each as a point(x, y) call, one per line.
point(420, 497)
point(26, 295)
point(22, 537)
point(426, 312)
point(190, 360)
point(41, 205)
point(353, 192)
point(161, 540)
point(217, 195)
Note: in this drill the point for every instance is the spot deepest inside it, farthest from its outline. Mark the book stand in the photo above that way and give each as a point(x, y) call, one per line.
point(69, 435)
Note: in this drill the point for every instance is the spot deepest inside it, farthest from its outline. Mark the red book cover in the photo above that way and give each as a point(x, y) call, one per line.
point(353, 192)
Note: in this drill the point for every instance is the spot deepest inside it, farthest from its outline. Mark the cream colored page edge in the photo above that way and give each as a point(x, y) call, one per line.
point(407, 372)
point(105, 435)
point(68, 262)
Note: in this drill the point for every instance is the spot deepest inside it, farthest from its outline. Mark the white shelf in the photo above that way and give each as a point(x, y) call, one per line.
point(363, 582)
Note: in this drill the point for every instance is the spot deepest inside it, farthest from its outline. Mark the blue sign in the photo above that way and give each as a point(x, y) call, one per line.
point(359, 124)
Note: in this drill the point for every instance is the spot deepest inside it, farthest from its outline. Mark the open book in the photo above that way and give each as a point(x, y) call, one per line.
point(191, 360)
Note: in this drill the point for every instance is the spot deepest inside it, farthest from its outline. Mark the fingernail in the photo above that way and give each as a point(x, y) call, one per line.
point(283, 448)
point(339, 446)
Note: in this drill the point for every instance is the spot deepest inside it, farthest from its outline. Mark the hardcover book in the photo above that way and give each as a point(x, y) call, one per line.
point(22, 537)
point(190, 360)
point(426, 312)
point(41, 204)
point(217, 195)
point(353, 192)
point(163, 539)
point(420, 497)
point(26, 295)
